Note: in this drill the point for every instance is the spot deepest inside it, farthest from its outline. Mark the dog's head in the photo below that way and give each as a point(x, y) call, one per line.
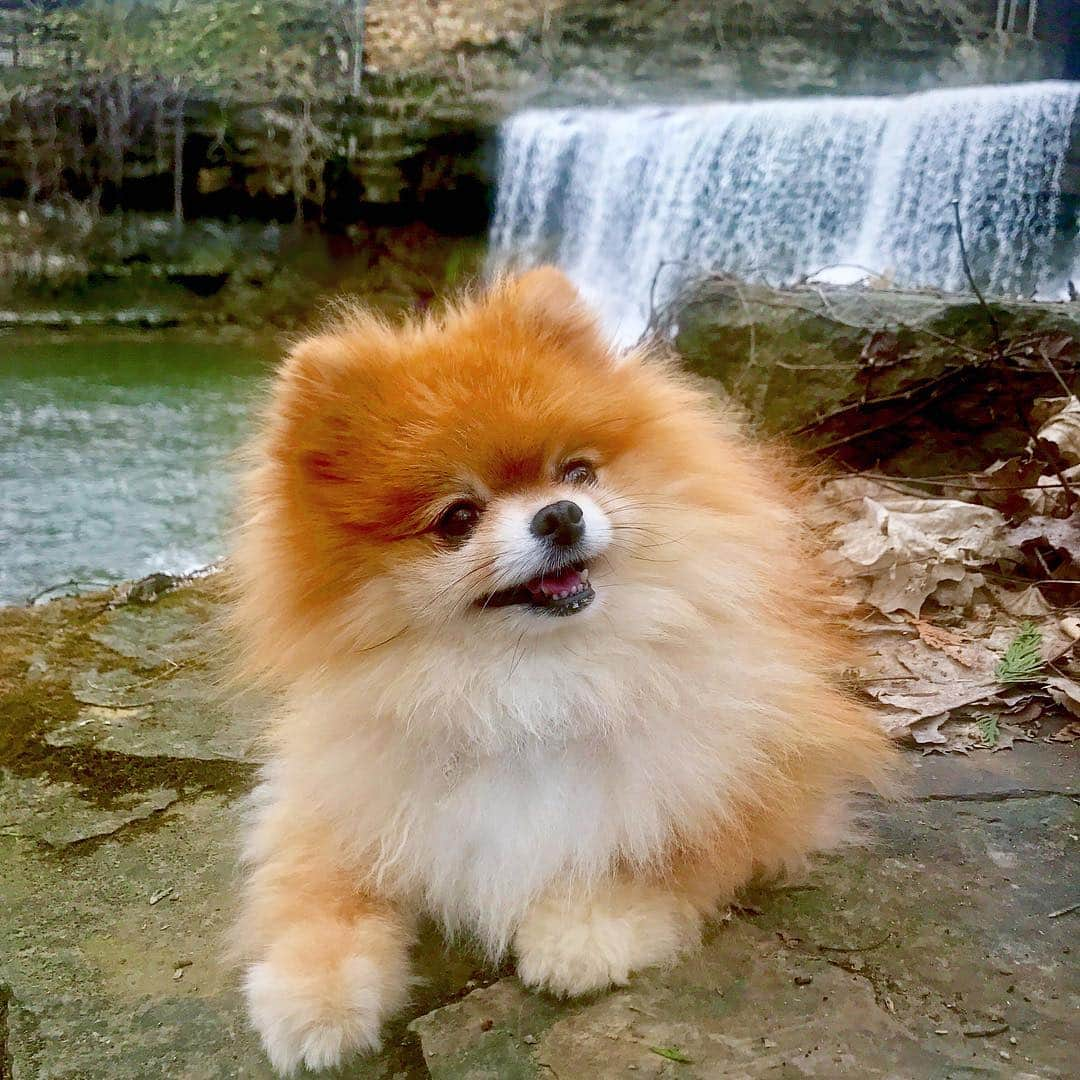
point(494, 474)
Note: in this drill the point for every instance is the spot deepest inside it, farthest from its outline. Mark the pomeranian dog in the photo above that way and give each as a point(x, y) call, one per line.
point(556, 665)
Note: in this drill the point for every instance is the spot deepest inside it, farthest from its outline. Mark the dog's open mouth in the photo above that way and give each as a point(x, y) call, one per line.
point(557, 592)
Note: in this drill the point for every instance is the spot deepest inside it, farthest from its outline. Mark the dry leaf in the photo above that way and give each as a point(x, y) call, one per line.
point(1048, 497)
point(937, 637)
point(1026, 603)
point(1064, 692)
point(1068, 734)
point(1063, 431)
point(899, 550)
point(1062, 534)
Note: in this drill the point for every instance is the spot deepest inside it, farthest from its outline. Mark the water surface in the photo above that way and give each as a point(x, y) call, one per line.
point(115, 455)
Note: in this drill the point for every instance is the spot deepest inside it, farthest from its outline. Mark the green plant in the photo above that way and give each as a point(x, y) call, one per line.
point(672, 1053)
point(1023, 660)
point(988, 729)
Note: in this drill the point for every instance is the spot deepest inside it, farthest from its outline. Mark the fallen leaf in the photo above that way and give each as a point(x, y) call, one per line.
point(1065, 692)
point(1068, 734)
point(1060, 346)
point(1063, 431)
point(1048, 496)
point(1062, 534)
point(1026, 603)
point(900, 550)
point(938, 637)
point(1002, 485)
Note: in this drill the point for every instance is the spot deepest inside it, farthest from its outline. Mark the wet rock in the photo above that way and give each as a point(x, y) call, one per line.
point(120, 808)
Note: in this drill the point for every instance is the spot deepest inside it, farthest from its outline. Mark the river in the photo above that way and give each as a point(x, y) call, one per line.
point(116, 454)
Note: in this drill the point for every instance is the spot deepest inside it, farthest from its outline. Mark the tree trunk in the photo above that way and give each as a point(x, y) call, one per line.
point(357, 35)
point(178, 160)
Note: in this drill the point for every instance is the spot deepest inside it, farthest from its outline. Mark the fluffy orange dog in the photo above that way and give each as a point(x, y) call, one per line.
point(555, 663)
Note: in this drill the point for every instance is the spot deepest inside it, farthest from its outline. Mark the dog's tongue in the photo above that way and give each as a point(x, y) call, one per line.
point(548, 585)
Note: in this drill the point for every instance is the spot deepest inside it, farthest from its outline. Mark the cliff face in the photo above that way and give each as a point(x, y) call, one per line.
point(273, 117)
point(270, 121)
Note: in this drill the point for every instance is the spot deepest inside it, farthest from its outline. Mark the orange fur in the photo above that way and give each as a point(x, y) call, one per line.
point(692, 711)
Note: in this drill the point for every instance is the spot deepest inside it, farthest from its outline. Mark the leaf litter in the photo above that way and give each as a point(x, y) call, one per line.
point(966, 606)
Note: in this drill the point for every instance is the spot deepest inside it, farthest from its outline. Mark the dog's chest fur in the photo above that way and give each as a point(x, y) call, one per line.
point(595, 768)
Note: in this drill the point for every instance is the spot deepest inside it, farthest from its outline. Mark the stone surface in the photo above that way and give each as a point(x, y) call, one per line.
point(909, 370)
point(932, 952)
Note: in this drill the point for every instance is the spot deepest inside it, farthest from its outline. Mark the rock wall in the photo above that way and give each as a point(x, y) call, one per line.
point(910, 382)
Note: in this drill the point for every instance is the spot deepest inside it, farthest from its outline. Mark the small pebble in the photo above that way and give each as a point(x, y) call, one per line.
point(1012, 1040)
point(178, 974)
point(803, 980)
point(1005, 1055)
point(530, 1039)
point(941, 1031)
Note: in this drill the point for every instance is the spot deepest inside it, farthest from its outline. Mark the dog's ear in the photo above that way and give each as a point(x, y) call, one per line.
point(315, 412)
point(548, 299)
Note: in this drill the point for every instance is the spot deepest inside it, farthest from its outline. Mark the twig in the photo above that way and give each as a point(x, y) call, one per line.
point(932, 482)
point(854, 948)
point(1057, 375)
point(995, 328)
point(891, 422)
point(653, 320)
point(109, 705)
point(72, 582)
point(723, 284)
point(886, 399)
point(1050, 459)
point(1063, 911)
point(999, 354)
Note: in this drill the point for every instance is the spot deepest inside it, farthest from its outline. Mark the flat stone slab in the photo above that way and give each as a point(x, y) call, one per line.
point(942, 949)
point(938, 954)
point(56, 814)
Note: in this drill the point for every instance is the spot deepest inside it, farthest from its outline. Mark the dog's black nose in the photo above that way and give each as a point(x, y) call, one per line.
point(560, 522)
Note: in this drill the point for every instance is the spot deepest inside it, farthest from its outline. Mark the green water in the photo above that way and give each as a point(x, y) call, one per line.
point(115, 455)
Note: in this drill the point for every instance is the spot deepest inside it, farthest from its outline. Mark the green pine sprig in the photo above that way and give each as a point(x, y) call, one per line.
point(988, 730)
point(1023, 660)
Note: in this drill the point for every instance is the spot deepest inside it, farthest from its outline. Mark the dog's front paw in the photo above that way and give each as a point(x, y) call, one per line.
point(572, 947)
point(315, 1016)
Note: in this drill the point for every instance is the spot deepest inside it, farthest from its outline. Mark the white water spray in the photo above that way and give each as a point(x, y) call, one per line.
point(633, 203)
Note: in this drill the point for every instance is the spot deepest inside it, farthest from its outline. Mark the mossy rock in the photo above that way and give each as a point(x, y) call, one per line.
point(879, 377)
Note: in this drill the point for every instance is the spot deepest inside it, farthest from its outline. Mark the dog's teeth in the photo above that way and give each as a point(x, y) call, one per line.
point(585, 574)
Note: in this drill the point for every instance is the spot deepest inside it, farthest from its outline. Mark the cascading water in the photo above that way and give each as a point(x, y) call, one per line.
point(633, 203)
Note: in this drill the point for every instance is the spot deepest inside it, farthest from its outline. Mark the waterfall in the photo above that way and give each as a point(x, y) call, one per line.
point(635, 202)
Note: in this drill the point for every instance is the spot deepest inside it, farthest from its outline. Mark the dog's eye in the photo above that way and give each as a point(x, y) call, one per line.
point(459, 520)
point(579, 472)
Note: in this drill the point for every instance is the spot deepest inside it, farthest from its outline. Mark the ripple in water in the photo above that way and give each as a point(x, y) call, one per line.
point(115, 458)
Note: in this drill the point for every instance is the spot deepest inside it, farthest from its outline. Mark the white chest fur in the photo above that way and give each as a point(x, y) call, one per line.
point(599, 765)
